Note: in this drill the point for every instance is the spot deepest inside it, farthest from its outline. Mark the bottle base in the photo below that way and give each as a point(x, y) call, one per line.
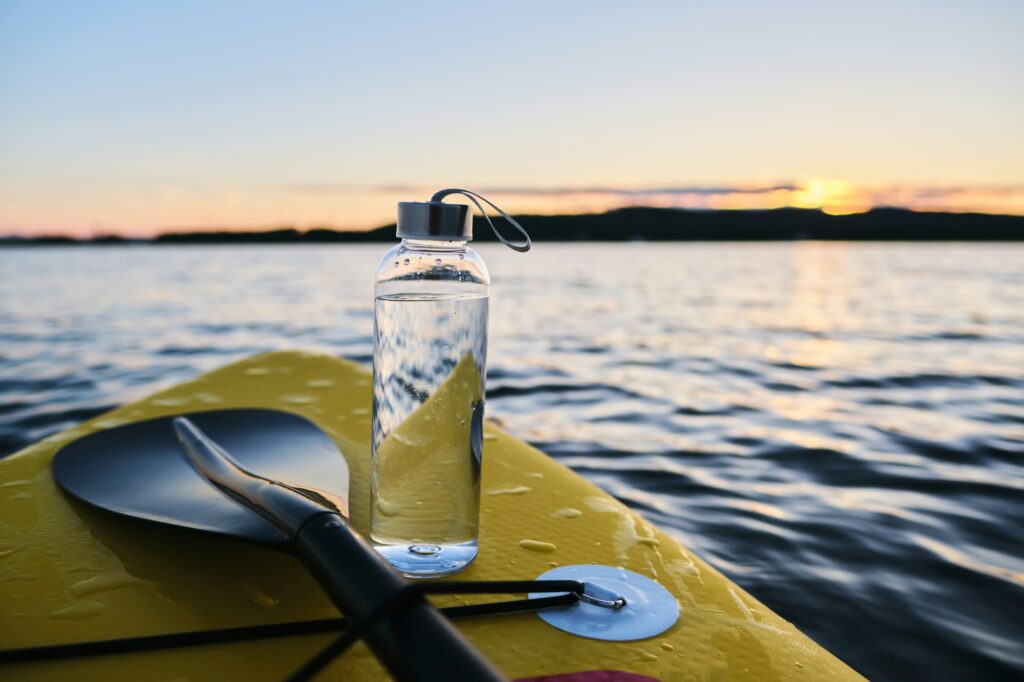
point(427, 560)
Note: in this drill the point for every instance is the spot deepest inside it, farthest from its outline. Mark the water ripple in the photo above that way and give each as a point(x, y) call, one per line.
point(838, 427)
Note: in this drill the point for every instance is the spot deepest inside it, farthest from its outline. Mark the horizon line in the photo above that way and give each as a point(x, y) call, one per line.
point(303, 230)
point(366, 206)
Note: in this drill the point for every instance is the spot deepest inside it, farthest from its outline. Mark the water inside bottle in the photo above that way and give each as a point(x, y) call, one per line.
point(429, 359)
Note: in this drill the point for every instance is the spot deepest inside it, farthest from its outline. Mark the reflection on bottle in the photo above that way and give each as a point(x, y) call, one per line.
point(427, 430)
point(426, 472)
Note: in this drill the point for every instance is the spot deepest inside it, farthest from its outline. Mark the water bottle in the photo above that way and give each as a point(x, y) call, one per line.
point(429, 366)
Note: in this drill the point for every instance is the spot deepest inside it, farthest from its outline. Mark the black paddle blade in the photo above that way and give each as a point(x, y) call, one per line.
point(139, 470)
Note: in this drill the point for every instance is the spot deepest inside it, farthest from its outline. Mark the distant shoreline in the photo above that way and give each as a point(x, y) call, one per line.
point(639, 224)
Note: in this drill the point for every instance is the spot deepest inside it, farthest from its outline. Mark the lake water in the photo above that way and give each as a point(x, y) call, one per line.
point(837, 427)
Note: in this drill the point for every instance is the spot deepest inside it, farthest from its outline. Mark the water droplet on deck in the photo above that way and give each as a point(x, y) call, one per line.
point(360, 410)
point(168, 402)
point(16, 484)
point(297, 399)
point(320, 383)
point(567, 513)
point(488, 436)
point(535, 474)
point(83, 609)
point(257, 372)
point(259, 598)
point(517, 490)
point(645, 656)
point(604, 504)
point(537, 546)
point(667, 647)
point(104, 582)
point(110, 423)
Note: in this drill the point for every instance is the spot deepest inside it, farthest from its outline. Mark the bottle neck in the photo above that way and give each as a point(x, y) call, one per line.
point(448, 246)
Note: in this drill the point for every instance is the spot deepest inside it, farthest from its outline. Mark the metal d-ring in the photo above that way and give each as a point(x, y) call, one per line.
point(599, 596)
point(651, 609)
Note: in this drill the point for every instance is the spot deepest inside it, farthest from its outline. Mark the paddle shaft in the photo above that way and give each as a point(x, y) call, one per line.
point(416, 644)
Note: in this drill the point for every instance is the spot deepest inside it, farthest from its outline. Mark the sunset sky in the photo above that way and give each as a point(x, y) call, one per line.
point(137, 117)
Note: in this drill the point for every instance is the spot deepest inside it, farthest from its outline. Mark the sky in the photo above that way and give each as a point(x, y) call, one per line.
point(139, 117)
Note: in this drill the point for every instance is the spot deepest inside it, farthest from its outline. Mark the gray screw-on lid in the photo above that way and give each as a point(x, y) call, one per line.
point(434, 220)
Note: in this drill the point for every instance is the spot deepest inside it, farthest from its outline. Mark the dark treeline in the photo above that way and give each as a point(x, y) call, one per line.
point(657, 224)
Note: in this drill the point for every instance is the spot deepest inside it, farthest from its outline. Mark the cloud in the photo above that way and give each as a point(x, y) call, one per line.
point(829, 194)
point(345, 188)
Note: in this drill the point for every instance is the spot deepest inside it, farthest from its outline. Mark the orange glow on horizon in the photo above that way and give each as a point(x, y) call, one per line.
point(834, 197)
point(354, 207)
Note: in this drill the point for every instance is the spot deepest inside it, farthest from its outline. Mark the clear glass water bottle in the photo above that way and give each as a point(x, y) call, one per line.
point(429, 359)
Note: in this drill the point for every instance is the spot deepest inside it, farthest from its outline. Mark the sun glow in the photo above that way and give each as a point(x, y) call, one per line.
point(832, 196)
point(354, 206)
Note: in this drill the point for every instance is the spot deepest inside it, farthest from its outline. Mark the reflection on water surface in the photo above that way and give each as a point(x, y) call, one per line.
point(838, 427)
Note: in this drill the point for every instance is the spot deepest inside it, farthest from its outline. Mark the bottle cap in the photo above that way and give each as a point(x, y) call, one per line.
point(434, 220)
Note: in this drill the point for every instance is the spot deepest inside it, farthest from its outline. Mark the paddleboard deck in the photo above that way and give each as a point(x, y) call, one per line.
point(69, 573)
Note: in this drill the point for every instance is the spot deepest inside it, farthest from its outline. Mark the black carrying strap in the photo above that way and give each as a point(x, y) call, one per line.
point(570, 590)
point(522, 247)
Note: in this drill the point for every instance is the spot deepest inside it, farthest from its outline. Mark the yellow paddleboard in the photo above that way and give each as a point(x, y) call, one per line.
point(71, 574)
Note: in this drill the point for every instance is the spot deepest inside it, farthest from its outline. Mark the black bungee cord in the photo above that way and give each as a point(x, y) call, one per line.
point(563, 593)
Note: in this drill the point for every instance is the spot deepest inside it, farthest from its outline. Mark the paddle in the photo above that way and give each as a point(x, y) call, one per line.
point(139, 470)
